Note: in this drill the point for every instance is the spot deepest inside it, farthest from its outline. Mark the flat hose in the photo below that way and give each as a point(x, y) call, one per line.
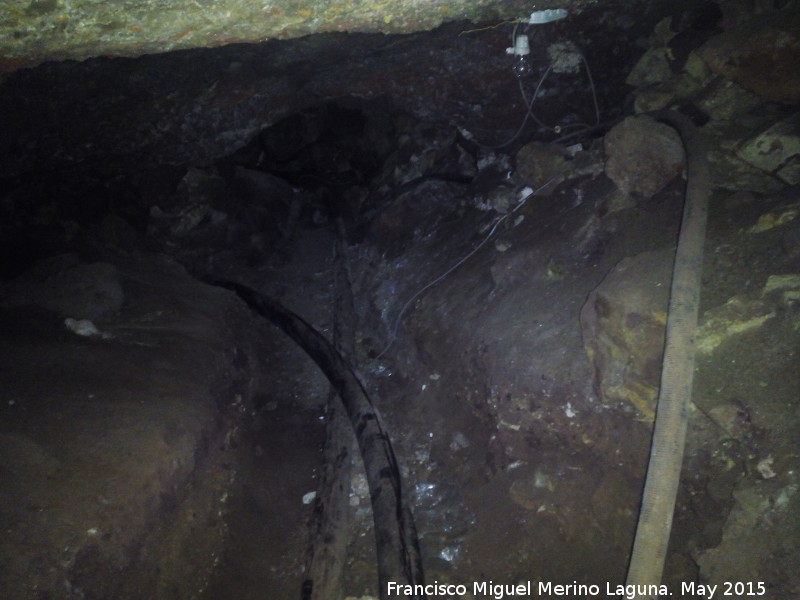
point(395, 532)
point(672, 412)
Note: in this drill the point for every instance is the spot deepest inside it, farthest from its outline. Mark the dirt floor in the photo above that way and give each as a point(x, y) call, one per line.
point(519, 463)
point(518, 470)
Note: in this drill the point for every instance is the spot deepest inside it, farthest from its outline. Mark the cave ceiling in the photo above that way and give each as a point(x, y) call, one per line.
point(143, 94)
point(34, 31)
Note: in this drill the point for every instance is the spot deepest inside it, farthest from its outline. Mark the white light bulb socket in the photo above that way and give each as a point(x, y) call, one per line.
point(522, 46)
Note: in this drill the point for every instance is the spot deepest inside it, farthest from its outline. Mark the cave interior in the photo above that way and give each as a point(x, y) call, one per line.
point(488, 238)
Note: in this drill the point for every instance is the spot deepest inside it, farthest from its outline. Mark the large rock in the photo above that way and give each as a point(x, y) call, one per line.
point(642, 156)
point(774, 147)
point(623, 323)
point(722, 100)
point(759, 529)
point(112, 447)
point(760, 55)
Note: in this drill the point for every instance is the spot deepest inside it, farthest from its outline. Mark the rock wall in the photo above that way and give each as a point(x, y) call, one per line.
point(121, 382)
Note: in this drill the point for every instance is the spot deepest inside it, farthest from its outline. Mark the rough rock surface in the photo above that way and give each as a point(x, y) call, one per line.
point(642, 156)
point(761, 55)
point(202, 105)
point(623, 324)
point(773, 149)
point(41, 30)
point(113, 446)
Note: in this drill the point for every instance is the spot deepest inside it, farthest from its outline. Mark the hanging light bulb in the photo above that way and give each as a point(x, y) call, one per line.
point(521, 67)
point(521, 50)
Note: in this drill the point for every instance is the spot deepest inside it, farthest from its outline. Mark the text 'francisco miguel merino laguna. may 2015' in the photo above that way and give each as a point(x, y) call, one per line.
point(548, 589)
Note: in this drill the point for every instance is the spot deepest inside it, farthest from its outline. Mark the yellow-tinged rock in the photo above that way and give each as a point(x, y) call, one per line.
point(782, 283)
point(789, 285)
point(776, 218)
point(622, 323)
point(738, 315)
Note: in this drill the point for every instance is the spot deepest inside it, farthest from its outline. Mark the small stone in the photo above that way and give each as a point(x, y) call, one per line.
point(764, 467)
point(459, 441)
point(85, 327)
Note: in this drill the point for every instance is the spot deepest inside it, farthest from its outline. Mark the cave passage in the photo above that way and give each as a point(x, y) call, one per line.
point(489, 247)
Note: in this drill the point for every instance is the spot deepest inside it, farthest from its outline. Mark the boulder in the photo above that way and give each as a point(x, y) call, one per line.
point(623, 323)
point(642, 156)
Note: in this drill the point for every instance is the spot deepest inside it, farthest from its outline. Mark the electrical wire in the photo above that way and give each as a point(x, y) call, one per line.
point(529, 114)
point(466, 257)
